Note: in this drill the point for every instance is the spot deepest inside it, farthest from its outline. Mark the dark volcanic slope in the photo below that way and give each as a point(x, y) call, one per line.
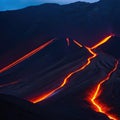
point(23, 30)
point(16, 109)
point(112, 47)
point(13, 108)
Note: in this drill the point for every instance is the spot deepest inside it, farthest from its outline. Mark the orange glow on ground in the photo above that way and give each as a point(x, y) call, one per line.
point(25, 56)
point(98, 106)
point(68, 41)
point(48, 94)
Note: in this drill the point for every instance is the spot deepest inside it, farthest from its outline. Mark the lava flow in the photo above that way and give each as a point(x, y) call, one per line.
point(25, 56)
point(77, 43)
point(40, 98)
point(102, 42)
point(93, 97)
point(48, 94)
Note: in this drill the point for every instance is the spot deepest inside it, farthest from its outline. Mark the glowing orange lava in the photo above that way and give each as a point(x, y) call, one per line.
point(77, 43)
point(106, 39)
point(25, 56)
point(42, 97)
point(98, 106)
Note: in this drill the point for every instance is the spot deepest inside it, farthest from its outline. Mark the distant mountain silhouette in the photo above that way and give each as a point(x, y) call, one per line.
point(23, 30)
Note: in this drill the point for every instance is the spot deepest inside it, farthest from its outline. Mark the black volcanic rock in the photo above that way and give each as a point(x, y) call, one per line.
point(17, 109)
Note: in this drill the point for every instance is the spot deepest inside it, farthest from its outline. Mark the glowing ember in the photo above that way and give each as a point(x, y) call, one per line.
point(77, 43)
point(25, 56)
point(68, 41)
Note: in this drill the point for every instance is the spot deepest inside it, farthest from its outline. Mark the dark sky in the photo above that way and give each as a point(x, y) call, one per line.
point(17, 4)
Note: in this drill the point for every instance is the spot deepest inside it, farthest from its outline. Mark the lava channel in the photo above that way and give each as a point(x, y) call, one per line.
point(99, 107)
point(25, 56)
point(8, 84)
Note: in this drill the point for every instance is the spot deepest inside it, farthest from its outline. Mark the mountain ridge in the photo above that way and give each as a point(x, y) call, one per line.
point(29, 27)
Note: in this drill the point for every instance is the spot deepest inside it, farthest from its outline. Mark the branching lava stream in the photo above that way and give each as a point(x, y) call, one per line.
point(40, 98)
point(93, 97)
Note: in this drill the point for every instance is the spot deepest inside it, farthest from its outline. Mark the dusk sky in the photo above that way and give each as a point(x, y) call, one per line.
point(18, 4)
